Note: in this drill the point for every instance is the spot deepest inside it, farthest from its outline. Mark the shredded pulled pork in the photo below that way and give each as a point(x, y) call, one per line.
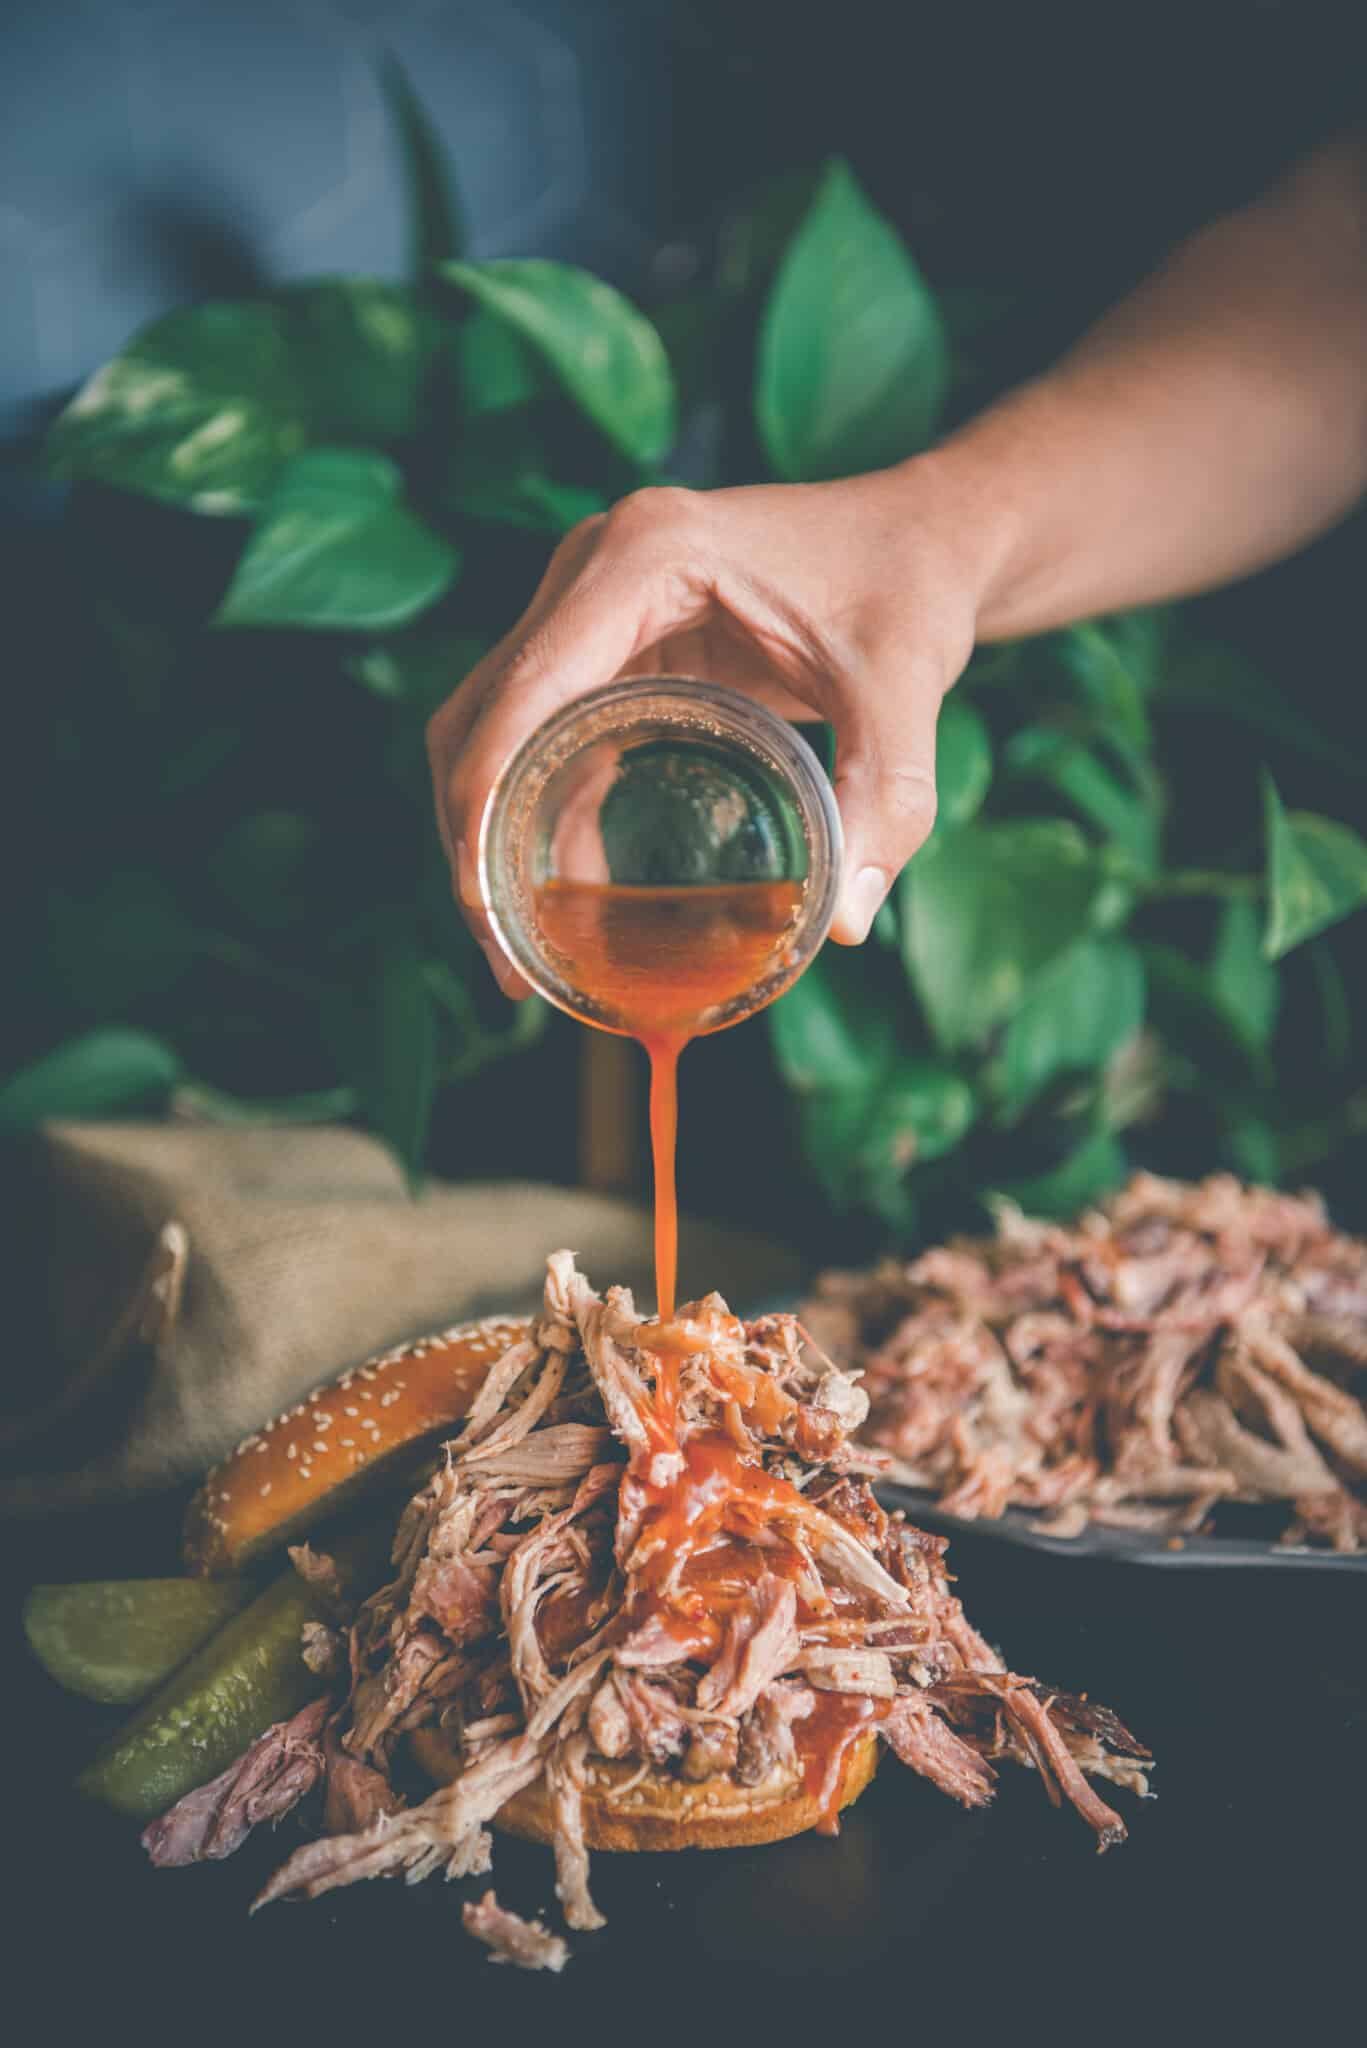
point(655, 1545)
point(1180, 1347)
point(526, 1944)
point(281, 1768)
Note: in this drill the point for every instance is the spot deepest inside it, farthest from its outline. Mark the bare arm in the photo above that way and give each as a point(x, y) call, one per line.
point(1215, 420)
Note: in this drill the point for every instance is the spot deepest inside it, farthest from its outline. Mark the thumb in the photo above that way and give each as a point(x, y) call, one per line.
point(885, 785)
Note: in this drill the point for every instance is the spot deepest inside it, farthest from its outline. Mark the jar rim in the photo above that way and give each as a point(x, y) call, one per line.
point(686, 703)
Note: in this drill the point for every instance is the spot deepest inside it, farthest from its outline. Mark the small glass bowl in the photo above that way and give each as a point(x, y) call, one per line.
point(668, 784)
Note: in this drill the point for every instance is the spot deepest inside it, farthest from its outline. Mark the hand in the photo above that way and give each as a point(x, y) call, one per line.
point(852, 602)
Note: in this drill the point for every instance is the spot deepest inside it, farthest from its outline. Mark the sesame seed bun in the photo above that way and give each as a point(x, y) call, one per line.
point(365, 1428)
point(661, 1811)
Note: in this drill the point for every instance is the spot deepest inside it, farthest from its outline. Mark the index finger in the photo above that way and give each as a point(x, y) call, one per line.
point(608, 614)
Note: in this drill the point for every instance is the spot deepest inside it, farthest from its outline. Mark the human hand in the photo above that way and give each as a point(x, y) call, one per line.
point(853, 602)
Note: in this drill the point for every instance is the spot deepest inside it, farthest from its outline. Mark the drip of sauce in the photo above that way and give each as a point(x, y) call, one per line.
point(666, 961)
point(824, 1738)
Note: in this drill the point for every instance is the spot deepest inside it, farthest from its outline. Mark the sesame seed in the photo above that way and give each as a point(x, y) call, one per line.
point(367, 1372)
point(261, 1449)
point(319, 1445)
point(348, 1443)
point(322, 1421)
point(265, 1489)
point(292, 1450)
point(351, 1411)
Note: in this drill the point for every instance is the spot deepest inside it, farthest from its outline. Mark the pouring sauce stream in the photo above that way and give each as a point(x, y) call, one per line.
point(665, 960)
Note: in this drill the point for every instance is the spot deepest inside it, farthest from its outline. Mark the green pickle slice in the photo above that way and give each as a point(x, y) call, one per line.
point(246, 1677)
point(115, 1639)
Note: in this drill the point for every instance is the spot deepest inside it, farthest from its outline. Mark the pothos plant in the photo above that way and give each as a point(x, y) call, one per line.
point(353, 484)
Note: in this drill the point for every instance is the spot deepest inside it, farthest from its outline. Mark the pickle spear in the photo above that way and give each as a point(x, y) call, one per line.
point(246, 1677)
point(115, 1639)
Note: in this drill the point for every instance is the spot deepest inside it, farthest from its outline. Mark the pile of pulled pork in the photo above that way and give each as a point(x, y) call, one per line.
point(1180, 1347)
point(652, 1543)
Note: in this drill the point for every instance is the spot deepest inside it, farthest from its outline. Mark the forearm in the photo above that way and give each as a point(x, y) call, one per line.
point(1213, 422)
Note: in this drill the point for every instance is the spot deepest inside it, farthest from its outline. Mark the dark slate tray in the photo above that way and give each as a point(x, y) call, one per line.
point(1021, 1529)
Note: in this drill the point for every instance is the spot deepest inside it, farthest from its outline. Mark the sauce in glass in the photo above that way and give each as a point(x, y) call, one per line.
point(664, 960)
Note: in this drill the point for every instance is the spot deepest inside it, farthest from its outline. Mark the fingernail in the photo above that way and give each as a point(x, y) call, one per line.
point(862, 899)
point(467, 879)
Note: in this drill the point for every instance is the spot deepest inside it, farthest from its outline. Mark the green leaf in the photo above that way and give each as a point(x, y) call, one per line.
point(920, 1110)
point(395, 1053)
point(496, 368)
point(1097, 1166)
point(601, 349)
point(263, 866)
point(861, 1142)
point(1079, 1014)
point(360, 350)
point(1113, 806)
point(335, 549)
point(963, 762)
point(200, 409)
point(1241, 976)
point(829, 1032)
point(1316, 873)
point(831, 1124)
point(853, 361)
point(91, 1076)
point(1113, 664)
point(534, 504)
point(985, 908)
point(436, 228)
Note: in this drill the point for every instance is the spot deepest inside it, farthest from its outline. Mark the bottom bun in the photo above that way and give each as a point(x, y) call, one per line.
point(662, 1812)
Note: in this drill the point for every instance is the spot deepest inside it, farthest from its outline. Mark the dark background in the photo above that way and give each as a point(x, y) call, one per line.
point(157, 150)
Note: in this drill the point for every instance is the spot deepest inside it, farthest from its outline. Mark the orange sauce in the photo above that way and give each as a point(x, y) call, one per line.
point(665, 960)
point(824, 1739)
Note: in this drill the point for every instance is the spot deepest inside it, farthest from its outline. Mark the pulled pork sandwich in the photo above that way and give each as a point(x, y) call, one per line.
point(1179, 1347)
point(645, 1600)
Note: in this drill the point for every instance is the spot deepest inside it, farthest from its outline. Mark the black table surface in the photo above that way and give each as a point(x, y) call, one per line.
point(1235, 1905)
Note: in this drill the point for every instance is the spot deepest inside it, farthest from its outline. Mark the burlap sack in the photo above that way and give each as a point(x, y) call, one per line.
point(172, 1286)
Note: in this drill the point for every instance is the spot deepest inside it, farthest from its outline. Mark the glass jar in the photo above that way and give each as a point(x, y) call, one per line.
point(661, 857)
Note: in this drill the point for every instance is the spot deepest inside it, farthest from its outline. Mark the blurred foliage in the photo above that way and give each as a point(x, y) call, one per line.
point(299, 520)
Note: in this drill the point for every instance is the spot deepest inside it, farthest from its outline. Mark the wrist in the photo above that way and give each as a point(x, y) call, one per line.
point(970, 506)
